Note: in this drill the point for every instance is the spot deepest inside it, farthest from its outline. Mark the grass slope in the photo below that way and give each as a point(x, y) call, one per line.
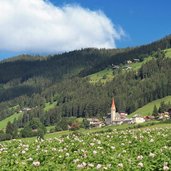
point(11, 118)
point(49, 106)
point(168, 53)
point(148, 108)
point(102, 76)
point(136, 66)
point(151, 124)
point(107, 75)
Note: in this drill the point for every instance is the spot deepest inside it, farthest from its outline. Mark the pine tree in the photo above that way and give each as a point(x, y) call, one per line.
point(155, 111)
point(11, 129)
point(163, 107)
point(86, 123)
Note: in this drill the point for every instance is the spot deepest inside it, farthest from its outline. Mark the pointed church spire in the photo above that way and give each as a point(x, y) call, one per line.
point(113, 104)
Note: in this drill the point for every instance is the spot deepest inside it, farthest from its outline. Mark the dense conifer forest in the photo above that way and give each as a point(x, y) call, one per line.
point(61, 81)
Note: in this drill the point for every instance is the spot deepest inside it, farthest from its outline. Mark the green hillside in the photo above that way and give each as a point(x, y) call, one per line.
point(137, 65)
point(148, 109)
point(49, 106)
point(102, 76)
point(107, 74)
point(11, 118)
point(168, 52)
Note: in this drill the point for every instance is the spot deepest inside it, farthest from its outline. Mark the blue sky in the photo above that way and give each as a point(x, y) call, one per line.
point(142, 22)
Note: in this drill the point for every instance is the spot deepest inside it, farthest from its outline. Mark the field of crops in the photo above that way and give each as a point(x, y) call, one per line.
point(134, 149)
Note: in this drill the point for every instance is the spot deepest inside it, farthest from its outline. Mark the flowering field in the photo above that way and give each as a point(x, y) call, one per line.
point(143, 149)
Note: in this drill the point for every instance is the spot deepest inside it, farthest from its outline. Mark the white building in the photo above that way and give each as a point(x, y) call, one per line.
point(137, 119)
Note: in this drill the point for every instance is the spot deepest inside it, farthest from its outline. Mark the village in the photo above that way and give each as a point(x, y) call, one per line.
point(119, 118)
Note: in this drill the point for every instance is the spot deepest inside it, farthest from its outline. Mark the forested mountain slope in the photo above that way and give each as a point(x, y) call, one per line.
point(61, 80)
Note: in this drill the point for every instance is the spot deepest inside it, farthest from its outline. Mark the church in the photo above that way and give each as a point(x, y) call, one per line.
point(113, 117)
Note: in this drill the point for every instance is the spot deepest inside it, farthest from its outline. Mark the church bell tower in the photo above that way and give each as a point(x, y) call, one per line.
point(113, 111)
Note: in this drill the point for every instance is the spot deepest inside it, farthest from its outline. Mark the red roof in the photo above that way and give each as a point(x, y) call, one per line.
point(113, 103)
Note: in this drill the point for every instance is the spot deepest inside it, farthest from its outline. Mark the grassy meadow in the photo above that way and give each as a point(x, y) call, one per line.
point(11, 118)
point(148, 108)
point(102, 76)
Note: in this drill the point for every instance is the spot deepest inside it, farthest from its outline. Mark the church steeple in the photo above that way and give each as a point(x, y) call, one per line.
point(113, 104)
point(114, 116)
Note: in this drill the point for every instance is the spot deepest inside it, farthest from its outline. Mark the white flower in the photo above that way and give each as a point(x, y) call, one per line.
point(30, 159)
point(124, 151)
point(84, 164)
point(139, 157)
point(36, 163)
point(98, 142)
point(85, 155)
point(94, 152)
point(91, 144)
point(140, 165)
point(165, 166)
point(45, 151)
point(151, 140)
point(112, 147)
point(98, 166)
point(91, 165)
point(152, 155)
point(100, 147)
point(75, 160)
point(120, 165)
point(53, 149)
point(23, 152)
point(60, 150)
point(80, 166)
point(23, 163)
point(109, 165)
point(67, 154)
point(119, 155)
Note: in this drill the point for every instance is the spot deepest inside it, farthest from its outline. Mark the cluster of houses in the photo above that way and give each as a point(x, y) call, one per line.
point(165, 115)
point(133, 61)
point(25, 109)
point(115, 118)
point(126, 67)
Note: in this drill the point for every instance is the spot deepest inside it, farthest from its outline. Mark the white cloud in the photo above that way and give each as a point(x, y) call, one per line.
point(40, 27)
